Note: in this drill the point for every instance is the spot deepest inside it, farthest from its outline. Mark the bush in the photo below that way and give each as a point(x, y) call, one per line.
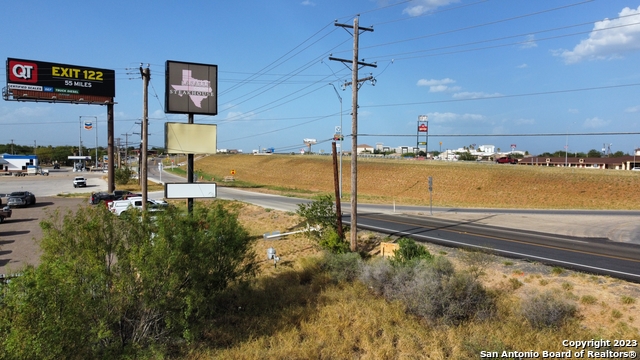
point(332, 242)
point(342, 267)
point(408, 251)
point(322, 213)
point(123, 175)
point(82, 303)
point(546, 310)
point(429, 289)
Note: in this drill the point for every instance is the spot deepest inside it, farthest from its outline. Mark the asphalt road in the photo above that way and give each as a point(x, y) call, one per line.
point(604, 242)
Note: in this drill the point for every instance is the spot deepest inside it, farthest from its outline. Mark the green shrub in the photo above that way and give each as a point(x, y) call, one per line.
point(408, 251)
point(82, 303)
point(320, 213)
point(546, 310)
point(331, 241)
point(123, 175)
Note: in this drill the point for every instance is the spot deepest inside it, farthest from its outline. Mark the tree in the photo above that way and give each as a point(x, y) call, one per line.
point(593, 153)
point(322, 214)
point(109, 286)
point(466, 156)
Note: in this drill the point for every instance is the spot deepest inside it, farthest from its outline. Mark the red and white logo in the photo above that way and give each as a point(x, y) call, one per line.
point(24, 72)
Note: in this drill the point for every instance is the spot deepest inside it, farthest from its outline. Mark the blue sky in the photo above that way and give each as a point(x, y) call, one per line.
point(493, 72)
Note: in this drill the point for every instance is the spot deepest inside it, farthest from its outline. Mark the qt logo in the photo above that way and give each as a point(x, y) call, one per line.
point(20, 71)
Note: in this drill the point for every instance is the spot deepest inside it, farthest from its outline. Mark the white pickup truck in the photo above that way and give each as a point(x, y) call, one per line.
point(79, 181)
point(119, 206)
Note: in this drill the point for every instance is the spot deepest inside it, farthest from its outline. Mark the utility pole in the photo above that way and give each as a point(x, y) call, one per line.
point(126, 145)
point(118, 152)
point(146, 76)
point(355, 83)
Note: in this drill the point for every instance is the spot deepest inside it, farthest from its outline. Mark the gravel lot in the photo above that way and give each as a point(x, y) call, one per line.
point(18, 234)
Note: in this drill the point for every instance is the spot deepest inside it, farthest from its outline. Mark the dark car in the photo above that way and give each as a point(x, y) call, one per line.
point(99, 197)
point(123, 194)
point(56, 166)
point(21, 198)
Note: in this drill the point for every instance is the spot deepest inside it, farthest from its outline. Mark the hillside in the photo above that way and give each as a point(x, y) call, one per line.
point(455, 184)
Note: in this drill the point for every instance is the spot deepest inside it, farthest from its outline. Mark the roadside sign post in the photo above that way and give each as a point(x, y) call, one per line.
point(431, 195)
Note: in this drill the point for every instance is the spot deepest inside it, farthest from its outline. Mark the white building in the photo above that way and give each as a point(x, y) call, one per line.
point(19, 162)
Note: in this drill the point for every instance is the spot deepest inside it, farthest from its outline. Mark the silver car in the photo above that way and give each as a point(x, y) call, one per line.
point(21, 198)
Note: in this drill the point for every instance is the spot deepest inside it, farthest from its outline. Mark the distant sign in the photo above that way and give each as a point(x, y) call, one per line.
point(423, 128)
point(55, 81)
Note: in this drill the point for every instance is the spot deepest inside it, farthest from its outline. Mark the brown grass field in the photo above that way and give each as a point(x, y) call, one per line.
point(455, 184)
point(288, 316)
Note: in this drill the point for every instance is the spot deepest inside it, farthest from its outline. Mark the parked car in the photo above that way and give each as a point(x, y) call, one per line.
point(79, 181)
point(98, 197)
point(124, 194)
point(56, 166)
point(507, 160)
point(5, 213)
point(21, 198)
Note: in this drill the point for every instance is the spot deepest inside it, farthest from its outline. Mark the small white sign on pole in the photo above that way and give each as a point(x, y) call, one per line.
point(190, 191)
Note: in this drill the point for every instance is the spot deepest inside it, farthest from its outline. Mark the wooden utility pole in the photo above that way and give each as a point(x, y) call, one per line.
point(146, 76)
point(336, 183)
point(354, 126)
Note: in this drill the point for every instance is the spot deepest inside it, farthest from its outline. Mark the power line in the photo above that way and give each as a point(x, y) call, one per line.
point(507, 135)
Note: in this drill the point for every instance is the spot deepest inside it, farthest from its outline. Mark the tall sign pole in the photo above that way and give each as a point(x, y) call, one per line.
point(146, 75)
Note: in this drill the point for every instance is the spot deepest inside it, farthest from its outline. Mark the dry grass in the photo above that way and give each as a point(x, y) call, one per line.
point(288, 313)
point(464, 184)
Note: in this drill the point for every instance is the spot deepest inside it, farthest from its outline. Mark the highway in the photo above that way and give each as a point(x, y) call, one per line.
point(597, 255)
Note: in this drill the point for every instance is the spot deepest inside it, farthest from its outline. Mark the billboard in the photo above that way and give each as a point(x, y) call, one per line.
point(191, 88)
point(181, 138)
point(44, 80)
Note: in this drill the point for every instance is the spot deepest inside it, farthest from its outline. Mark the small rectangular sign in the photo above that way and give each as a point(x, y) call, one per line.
point(190, 191)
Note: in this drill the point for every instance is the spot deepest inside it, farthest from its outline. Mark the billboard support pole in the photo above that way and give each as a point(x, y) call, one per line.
point(146, 75)
point(111, 184)
point(190, 172)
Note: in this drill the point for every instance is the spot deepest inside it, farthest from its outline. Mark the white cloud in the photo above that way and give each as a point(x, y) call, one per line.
point(474, 95)
point(438, 85)
point(308, 3)
point(529, 42)
point(632, 109)
point(595, 122)
point(26, 112)
point(622, 36)
point(419, 7)
point(522, 66)
point(449, 117)
point(524, 121)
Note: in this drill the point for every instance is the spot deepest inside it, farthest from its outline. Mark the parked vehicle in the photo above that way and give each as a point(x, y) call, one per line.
point(507, 160)
point(5, 213)
point(79, 181)
point(99, 197)
point(56, 166)
point(123, 194)
point(21, 198)
point(120, 206)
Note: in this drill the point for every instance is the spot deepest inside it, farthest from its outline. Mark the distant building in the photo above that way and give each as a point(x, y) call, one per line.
point(18, 162)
